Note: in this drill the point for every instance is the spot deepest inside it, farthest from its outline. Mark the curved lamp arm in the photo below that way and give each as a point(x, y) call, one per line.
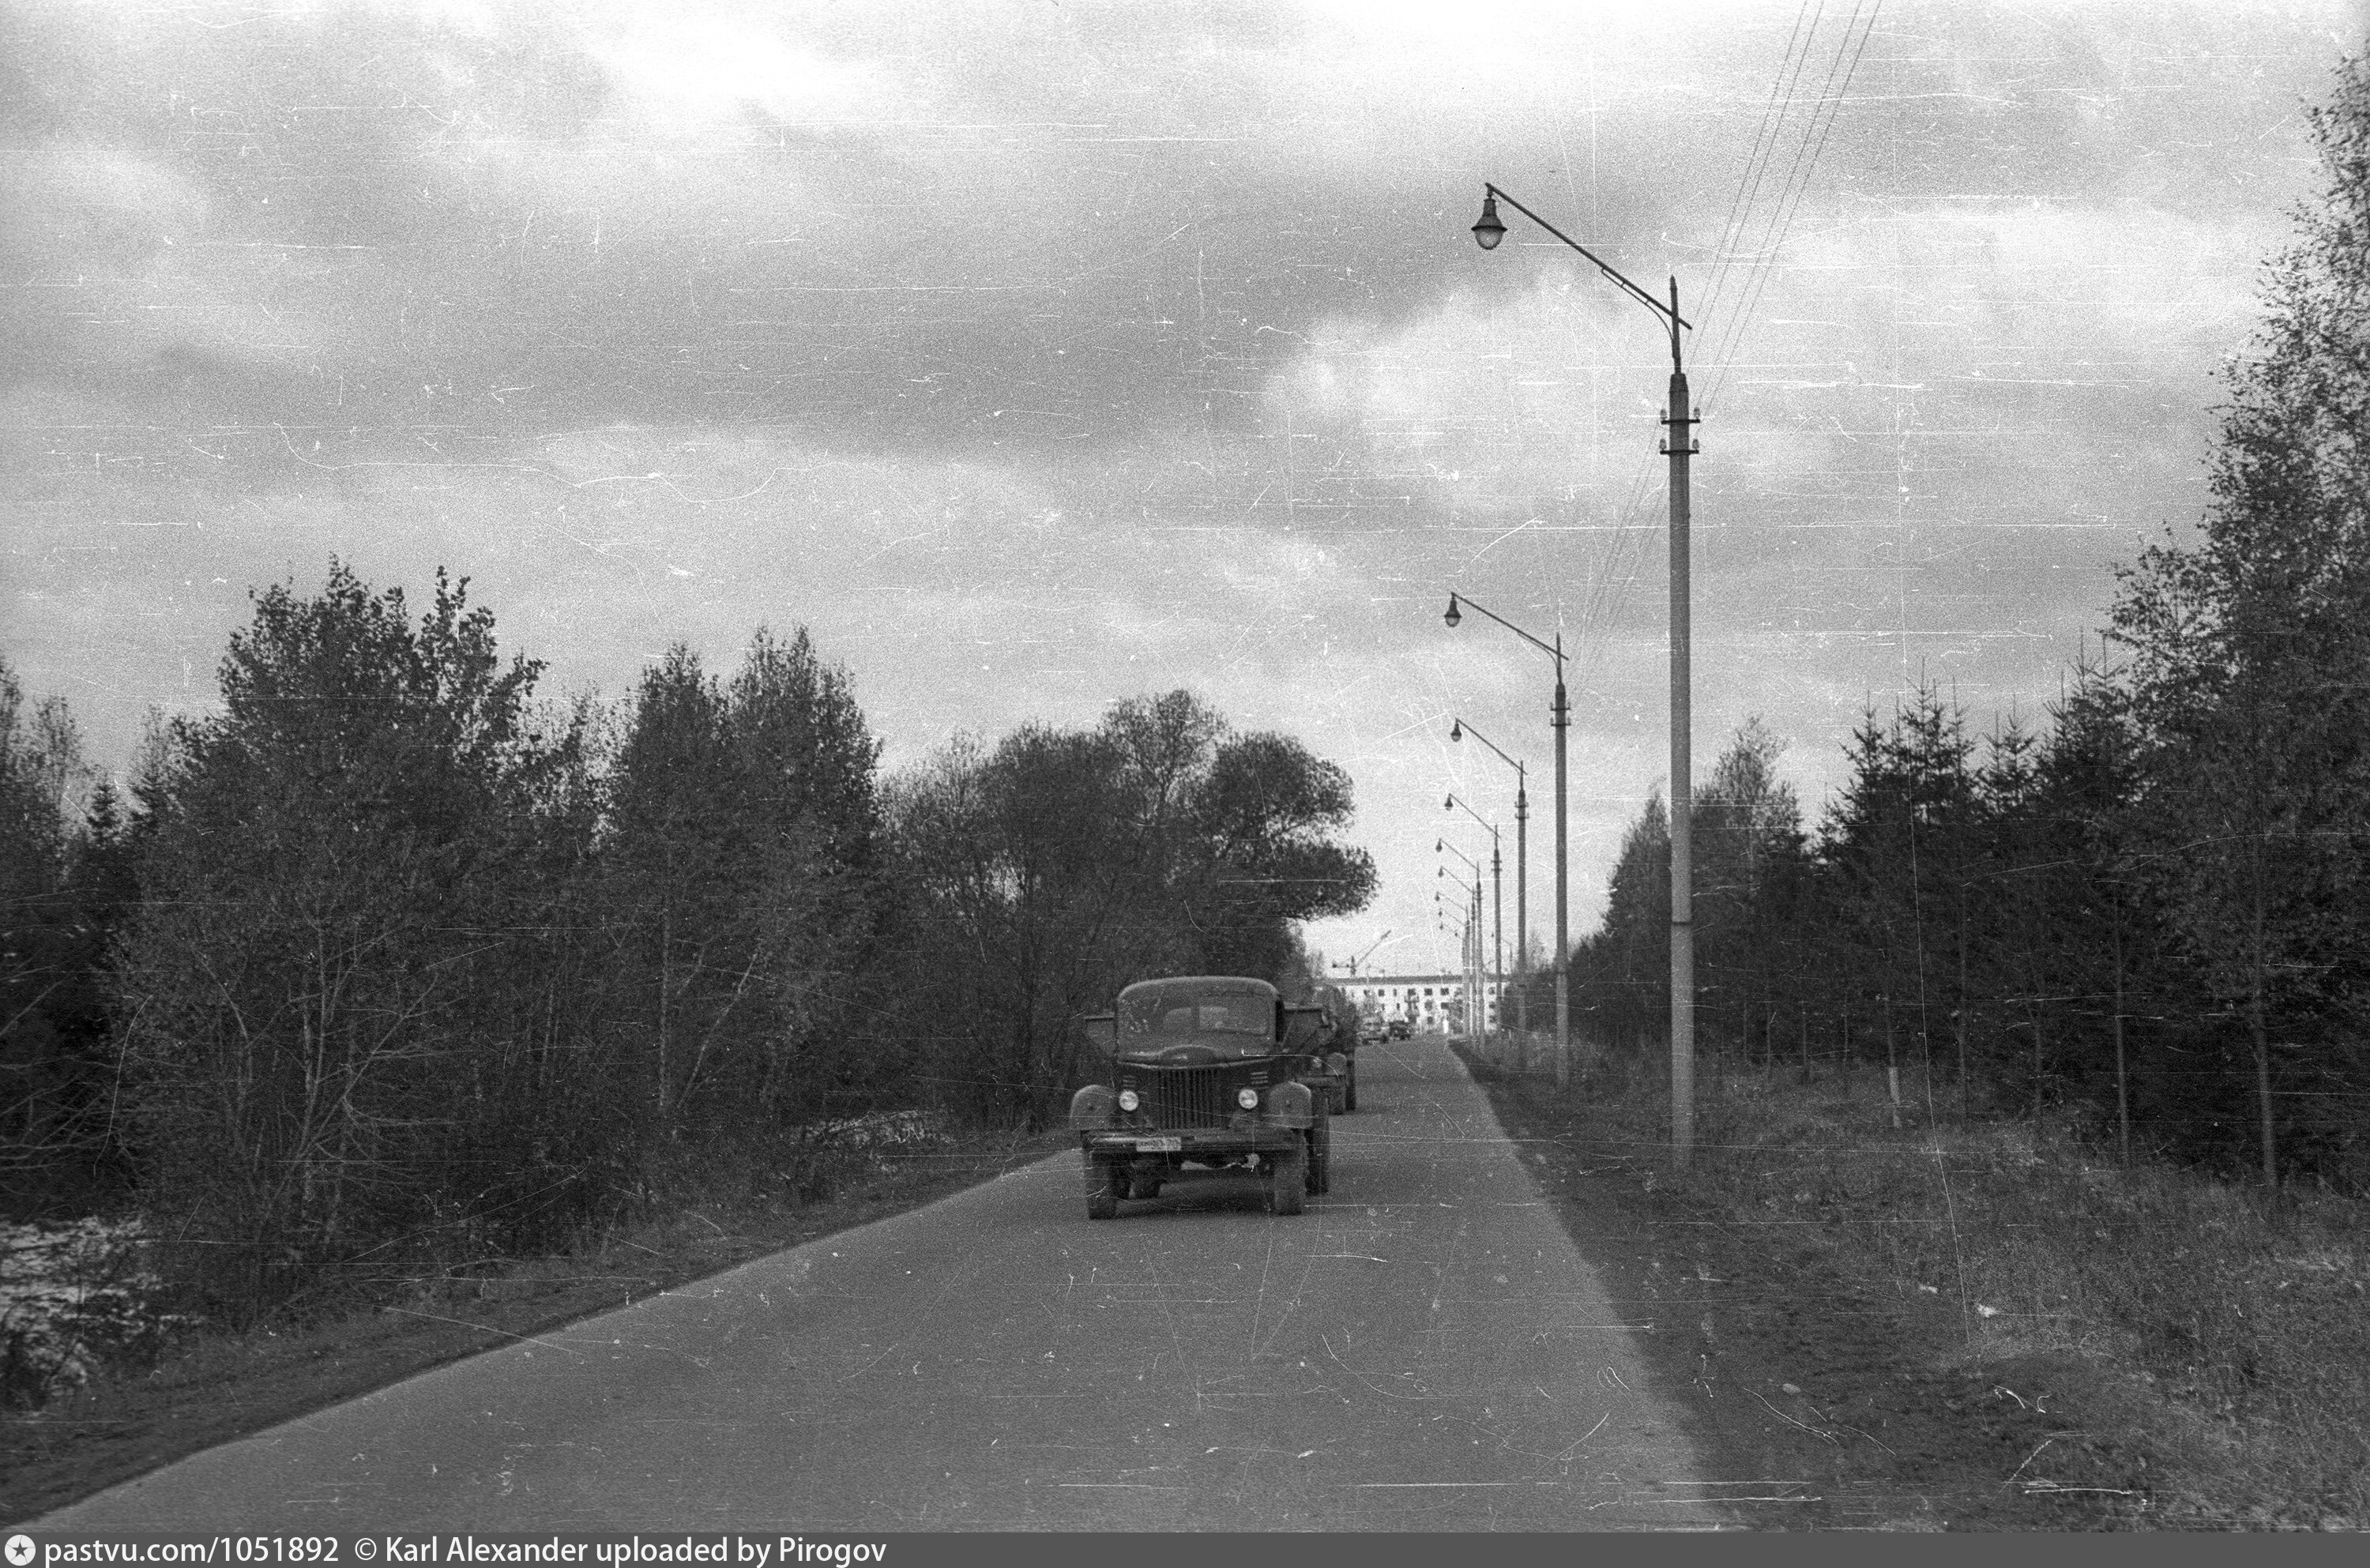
point(1459, 602)
point(1490, 231)
point(1458, 729)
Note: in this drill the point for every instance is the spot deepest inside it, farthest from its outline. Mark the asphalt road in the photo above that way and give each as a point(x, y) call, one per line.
point(1423, 1349)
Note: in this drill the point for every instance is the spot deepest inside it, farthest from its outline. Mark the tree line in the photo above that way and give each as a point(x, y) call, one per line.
point(2148, 909)
point(388, 965)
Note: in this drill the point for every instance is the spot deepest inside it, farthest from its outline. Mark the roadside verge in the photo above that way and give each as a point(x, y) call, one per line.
point(1820, 1401)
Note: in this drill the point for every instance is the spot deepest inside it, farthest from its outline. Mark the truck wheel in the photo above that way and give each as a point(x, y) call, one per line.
point(1350, 1086)
point(1321, 1156)
point(1104, 1178)
point(1287, 1180)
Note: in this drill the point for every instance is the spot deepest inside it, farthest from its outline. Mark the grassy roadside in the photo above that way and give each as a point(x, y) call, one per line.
point(213, 1388)
point(1947, 1326)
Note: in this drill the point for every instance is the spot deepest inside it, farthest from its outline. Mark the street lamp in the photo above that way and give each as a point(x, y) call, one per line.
point(1559, 715)
point(1679, 445)
point(1465, 937)
point(1497, 888)
point(1456, 732)
point(1474, 929)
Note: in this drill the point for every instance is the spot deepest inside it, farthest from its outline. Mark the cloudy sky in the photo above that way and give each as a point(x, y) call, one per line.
point(1038, 354)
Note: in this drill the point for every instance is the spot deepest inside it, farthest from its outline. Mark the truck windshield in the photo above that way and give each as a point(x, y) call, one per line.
point(1172, 1014)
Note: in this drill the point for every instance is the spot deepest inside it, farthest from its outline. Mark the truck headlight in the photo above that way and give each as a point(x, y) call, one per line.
point(1129, 1100)
point(1247, 1098)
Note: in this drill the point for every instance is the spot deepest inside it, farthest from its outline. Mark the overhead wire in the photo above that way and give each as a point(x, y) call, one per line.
point(1612, 571)
point(1769, 136)
point(1832, 106)
point(1765, 136)
point(1724, 340)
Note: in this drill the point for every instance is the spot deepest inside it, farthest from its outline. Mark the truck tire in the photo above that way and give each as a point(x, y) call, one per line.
point(1321, 1156)
point(1350, 1086)
point(1104, 1178)
point(1287, 1180)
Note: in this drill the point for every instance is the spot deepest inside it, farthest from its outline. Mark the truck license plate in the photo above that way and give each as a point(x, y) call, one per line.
point(1159, 1145)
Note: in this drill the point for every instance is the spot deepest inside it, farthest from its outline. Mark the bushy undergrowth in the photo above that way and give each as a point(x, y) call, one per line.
point(2250, 1323)
point(73, 1298)
point(799, 1164)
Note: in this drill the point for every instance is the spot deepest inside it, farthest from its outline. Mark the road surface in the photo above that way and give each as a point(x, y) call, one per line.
point(1423, 1349)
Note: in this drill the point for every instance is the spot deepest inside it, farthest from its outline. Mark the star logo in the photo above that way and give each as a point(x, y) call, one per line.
point(20, 1550)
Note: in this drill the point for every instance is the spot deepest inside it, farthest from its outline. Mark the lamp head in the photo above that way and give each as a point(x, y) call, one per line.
point(1453, 615)
point(1490, 231)
point(1456, 730)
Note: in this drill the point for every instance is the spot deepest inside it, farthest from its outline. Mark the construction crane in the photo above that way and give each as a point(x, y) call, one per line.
point(1352, 964)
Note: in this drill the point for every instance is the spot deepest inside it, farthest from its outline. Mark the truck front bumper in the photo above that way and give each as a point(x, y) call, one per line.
point(1191, 1143)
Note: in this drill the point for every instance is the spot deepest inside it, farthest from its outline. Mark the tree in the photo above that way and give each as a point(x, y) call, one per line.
point(1751, 858)
point(343, 1023)
point(2017, 909)
point(1060, 865)
point(1900, 855)
point(2085, 785)
point(1038, 879)
point(1751, 863)
point(45, 956)
point(2250, 650)
point(1621, 973)
point(742, 869)
point(1265, 812)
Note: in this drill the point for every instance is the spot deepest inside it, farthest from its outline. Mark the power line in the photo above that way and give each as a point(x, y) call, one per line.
point(1790, 195)
point(1756, 162)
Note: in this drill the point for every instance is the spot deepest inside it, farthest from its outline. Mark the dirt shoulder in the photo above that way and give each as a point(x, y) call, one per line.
point(1816, 1402)
point(216, 1388)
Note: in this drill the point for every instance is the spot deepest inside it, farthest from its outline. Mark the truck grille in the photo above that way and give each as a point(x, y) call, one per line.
point(1189, 1097)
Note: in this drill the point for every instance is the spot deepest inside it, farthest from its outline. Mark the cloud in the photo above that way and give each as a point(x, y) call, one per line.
point(1036, 355)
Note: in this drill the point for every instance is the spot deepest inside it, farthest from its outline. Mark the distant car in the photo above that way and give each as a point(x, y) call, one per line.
point(1400, 1029)
point(1205, 1078)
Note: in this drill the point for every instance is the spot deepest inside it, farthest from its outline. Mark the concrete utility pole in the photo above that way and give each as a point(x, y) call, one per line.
point(1457, 730)
point(1474, 931)
point(1561, 716)
point(1480, 965)
point(1681, 446)
point(1497, 922)
point(1497, 888)
point(1522, 925)
point(1562, 719)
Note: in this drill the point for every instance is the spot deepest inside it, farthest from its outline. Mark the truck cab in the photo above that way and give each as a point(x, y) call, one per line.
point(1207, 1075)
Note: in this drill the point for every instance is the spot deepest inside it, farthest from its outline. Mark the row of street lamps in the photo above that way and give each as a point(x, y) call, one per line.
point(1469, 959)
point(1679, 445)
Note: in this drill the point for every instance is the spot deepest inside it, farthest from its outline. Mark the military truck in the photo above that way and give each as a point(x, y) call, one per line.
point(1207, 1077)
point(1337, 1051)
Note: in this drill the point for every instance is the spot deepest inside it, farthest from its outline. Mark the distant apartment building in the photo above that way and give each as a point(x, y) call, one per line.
point(1429, 1002)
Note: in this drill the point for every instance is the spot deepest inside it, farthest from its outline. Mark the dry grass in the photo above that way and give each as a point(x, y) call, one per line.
point(2240, 1333)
